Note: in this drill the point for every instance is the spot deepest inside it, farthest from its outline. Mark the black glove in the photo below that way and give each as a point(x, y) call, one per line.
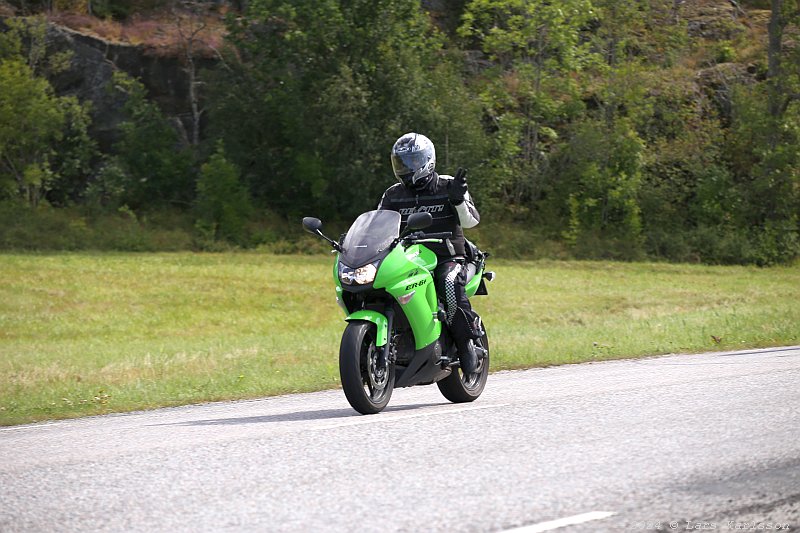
point(458, 187)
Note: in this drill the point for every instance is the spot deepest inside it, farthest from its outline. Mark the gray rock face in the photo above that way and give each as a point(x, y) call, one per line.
point(88, 78)
point(92, 66)
point(718, 81)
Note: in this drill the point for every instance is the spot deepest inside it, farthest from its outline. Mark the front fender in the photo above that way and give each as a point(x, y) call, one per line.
point(380, 321)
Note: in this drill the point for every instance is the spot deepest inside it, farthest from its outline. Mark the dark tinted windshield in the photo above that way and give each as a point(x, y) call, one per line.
point(369, 235)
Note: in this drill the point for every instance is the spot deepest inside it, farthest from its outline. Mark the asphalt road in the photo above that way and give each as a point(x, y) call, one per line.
point(679, 443)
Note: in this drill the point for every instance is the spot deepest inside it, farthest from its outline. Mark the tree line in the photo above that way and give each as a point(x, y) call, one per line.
point(604, 126)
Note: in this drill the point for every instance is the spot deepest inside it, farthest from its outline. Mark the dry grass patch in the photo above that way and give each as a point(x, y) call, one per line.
point(159, 32)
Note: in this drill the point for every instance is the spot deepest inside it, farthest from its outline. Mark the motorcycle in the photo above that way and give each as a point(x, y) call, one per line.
point(394, 336)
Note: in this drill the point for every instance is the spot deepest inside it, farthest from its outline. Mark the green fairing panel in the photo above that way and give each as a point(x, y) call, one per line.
point(426, 258)
point(420, 308)
point(474, 283)
point(338, 285)
point(416, 278)
point(380, 321)
point(336, 279)
point(336, 272)
point(340, 300)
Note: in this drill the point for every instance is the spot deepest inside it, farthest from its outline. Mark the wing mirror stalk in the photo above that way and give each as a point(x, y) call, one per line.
point(314, 226)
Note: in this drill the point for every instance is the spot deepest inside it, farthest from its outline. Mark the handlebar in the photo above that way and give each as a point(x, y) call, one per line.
point(421, 237)
point(443, 235)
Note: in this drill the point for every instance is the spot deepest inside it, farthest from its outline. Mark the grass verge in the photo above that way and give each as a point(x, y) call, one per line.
point(84, 334)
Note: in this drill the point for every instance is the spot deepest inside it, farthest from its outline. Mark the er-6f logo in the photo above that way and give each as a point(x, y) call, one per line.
point(415, 285)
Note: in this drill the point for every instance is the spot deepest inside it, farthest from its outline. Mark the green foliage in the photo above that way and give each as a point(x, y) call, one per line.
point(666, 36)
point(45, 148)
point(527, 94)
point(222, 203)
point(107, 189)
point(118, 9)
point(765, 155)
point(49, 229)
point(26, 40)
point(586, 120)
point(724, 52)
point(605, 172)
point(31, 122)
point(541, 32)
point(311, 123)
point(73, 155)
point(633, 166)
point(156, 169)
point(686, 181)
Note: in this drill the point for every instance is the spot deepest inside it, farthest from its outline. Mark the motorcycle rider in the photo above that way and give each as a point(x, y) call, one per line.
point(446, 198)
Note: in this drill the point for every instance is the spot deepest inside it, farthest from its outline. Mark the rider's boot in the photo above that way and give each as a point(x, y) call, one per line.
point(467, 357)
point(465, 330)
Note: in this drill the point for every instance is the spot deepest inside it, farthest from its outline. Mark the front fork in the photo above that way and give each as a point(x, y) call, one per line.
point(384, 356)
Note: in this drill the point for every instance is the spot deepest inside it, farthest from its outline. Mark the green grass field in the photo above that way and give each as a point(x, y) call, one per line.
point(84, 334)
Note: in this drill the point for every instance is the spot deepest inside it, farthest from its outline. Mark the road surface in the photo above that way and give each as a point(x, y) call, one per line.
point(678, 443)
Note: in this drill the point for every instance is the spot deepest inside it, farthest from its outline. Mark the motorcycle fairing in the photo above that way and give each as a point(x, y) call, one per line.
point(423, 367)
point(400, 279)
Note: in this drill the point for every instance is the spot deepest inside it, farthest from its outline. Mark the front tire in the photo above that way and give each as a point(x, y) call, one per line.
point(459, 387)
point(367, 387)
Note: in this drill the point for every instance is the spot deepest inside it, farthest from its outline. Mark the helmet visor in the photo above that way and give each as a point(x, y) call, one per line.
point(408, 163)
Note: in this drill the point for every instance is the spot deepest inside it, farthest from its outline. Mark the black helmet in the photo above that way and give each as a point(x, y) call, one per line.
point(413, 160)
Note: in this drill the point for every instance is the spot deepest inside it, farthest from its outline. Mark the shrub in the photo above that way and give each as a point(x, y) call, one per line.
point(223, 204)
point(47, 228)
point(155, 168)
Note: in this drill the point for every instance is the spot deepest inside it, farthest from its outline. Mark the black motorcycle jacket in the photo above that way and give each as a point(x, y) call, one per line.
point(433, 198)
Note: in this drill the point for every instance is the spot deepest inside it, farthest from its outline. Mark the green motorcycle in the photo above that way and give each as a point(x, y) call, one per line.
point(394, 336)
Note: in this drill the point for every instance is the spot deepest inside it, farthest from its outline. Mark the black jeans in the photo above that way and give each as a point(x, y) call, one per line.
point(451, 281)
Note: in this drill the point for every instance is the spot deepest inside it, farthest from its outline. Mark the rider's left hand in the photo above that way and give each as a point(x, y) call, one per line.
point(458, 187)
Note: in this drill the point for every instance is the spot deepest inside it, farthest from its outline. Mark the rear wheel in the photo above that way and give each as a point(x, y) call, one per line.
point(367, 386)
point(459, 387)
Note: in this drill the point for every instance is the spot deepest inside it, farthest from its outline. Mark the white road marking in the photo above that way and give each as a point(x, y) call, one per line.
point(32, 426)
point(561, 522)
point(372, 419)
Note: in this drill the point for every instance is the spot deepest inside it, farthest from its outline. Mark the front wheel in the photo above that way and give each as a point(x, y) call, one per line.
point(367, 386)
point(460, 387)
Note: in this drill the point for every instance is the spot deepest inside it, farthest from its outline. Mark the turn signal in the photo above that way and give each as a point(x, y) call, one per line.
point(406, 298)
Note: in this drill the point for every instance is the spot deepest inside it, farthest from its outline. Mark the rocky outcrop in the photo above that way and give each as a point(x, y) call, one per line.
point(714, 20)
point(446, 14)
point(718, 82)
point(93, 63)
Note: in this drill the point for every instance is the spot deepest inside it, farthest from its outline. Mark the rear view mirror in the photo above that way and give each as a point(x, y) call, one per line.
point(418, 221)
point(312, 225)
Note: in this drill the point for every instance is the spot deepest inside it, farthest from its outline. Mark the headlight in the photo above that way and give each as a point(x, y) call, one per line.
point(360, 276)
point(346, 274)
point(365, 274)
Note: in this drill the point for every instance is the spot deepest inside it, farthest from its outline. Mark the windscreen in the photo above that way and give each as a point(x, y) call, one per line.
point(369, 235)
